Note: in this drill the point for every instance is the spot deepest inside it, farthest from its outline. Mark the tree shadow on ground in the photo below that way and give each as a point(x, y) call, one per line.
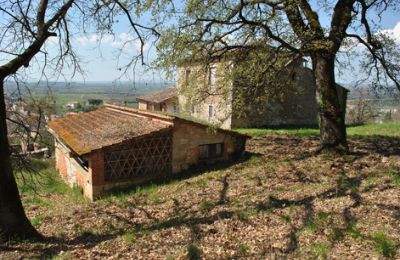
point(193, 218)
point(193, 171)
point(55, 245)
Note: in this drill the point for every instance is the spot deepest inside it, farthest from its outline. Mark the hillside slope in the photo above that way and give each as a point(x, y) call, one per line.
point(281, 200)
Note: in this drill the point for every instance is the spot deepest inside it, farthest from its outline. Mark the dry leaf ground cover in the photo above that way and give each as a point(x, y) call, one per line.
point(280, 200)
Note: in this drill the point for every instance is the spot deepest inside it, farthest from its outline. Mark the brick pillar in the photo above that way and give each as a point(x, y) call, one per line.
point(96, 171)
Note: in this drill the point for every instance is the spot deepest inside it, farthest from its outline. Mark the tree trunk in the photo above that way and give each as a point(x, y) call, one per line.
point(332, 124)
point(13, 222)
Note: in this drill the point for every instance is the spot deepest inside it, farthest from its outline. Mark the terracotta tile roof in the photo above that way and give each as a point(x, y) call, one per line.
point(87, 132)
point(159, 96)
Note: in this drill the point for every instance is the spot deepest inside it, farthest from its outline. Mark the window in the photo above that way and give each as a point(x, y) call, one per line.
point(212, 77)
point(211, 151)
point(210, 111)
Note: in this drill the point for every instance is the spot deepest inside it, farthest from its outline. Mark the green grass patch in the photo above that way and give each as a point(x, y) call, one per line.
point(64, 256)
point(245, 215)
point(129, 237)
point(323, 216)
point(265, 131)
point(206, 206)
point(320, 250)
point(201, 183)
point(243, 249)
point(41, 180)
point(149, 190)
point(311, 225)
point(286, 218)
point(38, 220)
point(384, 245)
point(394, 175)
point(385, 130)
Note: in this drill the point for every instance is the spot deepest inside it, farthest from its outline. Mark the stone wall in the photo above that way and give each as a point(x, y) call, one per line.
point(289, 104)
point(292, 103)
point(188, 136)
point(195, 96)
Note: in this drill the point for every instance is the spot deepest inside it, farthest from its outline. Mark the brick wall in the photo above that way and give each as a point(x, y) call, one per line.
point(186, 140)
point(71, 171)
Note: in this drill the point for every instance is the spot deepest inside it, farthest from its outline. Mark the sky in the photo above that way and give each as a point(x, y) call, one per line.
point(102, 60)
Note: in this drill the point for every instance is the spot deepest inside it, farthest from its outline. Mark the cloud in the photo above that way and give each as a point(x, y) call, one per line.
point(122, 40)
point(88, 39)
point(393, 33)
point(351, 44)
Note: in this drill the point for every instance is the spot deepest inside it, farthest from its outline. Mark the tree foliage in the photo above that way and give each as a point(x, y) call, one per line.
point(297, 28)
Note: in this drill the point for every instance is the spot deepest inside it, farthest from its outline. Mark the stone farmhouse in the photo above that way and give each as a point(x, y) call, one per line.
point(220, 100)
point(164, 100)
point(114, 147)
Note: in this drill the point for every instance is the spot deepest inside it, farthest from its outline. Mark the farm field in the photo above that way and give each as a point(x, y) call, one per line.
point(280, 200)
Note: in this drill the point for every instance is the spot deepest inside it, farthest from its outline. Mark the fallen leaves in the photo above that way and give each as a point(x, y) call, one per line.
point(285, 201)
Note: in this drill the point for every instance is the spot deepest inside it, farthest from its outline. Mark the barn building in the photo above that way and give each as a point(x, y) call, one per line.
point(115, 147)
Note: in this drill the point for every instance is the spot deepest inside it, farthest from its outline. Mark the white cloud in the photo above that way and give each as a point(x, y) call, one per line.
point(393, 33)
point(88, 39)
point(352, 44)
point(123, 40)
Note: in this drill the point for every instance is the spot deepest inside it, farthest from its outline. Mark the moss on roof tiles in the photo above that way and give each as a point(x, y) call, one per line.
point(87, 132)
point(160, 96)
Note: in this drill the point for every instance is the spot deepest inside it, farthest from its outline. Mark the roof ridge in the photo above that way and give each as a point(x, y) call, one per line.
point(159, 96)
point(141, 113)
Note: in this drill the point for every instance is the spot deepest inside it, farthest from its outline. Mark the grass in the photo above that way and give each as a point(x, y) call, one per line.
point(206, 206)
point(386, 129)
point(129, 237)
point(184, 218)
point(43, 180)
point(37, 221)
point(394, 176)
point(384, 245)
point(320, 250)
point(264, 131)
point(243, 249)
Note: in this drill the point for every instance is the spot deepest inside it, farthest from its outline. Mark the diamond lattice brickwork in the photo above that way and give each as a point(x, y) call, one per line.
point(148, 156)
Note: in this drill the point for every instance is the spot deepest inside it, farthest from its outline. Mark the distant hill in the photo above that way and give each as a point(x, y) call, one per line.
point(117, 87)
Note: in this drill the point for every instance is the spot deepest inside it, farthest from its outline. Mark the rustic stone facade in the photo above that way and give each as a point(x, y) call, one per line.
point(294, 104)
point(159, 154)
